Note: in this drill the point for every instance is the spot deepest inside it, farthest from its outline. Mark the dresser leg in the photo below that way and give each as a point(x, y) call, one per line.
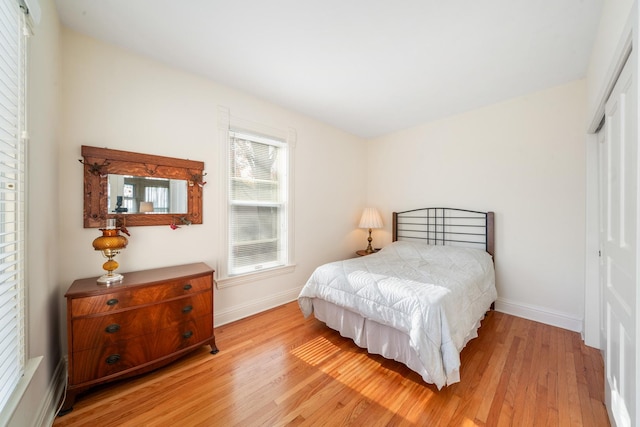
point(214, 349)
point(65, 411)
point(69, 401)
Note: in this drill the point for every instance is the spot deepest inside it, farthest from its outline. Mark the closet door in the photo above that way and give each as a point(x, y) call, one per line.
point(619, 241)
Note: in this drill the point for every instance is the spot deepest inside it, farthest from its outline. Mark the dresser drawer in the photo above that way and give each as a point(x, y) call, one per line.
point(122, 299)
point(95, 363)
point(109, 328)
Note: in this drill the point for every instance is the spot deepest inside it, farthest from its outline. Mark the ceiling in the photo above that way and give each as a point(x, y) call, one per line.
point(368, 67)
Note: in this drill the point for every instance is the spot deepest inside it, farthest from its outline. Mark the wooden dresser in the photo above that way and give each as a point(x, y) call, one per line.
point(149, 319)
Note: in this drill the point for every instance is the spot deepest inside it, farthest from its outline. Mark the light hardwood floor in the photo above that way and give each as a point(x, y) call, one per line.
point(277, 368)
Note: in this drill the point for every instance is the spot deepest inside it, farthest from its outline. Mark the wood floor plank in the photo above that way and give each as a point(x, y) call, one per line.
point(277, 369)
point(499, 396)
point(491, 379)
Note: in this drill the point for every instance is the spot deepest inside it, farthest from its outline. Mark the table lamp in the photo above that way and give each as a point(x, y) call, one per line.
point(110, 244)
point(370, 219)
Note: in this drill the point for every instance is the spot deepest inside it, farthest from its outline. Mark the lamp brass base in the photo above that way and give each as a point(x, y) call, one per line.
point(369, 249)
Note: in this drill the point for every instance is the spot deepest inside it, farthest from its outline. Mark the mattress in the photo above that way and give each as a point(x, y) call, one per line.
point(430, 298)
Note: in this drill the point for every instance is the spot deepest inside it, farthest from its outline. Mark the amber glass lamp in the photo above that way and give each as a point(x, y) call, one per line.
point(110, 244)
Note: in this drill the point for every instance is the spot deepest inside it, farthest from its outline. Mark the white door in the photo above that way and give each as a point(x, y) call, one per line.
point(618, 270)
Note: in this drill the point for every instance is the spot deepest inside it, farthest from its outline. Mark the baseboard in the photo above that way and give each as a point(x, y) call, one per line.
point(238, 312)
point(51, 403)
point(540, 314)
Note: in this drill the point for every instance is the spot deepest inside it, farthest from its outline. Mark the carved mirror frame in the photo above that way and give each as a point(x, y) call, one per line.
point(100, 162)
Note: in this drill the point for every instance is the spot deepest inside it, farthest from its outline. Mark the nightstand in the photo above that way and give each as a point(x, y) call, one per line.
point(363, 252)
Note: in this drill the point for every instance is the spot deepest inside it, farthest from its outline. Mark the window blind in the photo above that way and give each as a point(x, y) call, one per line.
point(257, 203)
point(159, 196)
point(12, 195)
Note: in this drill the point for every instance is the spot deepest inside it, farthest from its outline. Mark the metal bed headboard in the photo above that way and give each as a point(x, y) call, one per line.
point(446, 226)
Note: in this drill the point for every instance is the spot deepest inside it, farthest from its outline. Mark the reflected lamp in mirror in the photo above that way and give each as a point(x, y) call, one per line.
point(370, 219)
point(110, 244)
point(146, 207)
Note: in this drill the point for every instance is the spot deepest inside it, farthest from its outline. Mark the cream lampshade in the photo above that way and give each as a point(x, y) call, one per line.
point(146, 207)
point(370, 219)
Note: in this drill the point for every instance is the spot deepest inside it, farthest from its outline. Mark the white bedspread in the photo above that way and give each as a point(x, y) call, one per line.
point(435, 294)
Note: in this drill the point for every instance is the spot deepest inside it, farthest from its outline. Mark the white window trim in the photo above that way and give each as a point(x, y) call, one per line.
point(242, 279)
point(29, 364)
point(226, 123)
point(21, 388)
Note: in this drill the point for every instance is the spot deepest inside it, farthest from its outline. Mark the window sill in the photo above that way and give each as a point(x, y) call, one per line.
point(254, 277)
point(19, 392)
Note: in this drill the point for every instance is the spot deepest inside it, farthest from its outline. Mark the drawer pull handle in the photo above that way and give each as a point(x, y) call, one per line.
point(112, 328)
point(187, 309)
point(187, 335)
point(187, 287)
point(112, 301)
point(114, 358)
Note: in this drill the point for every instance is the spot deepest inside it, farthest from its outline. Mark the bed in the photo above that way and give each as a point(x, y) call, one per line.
point(420, 299)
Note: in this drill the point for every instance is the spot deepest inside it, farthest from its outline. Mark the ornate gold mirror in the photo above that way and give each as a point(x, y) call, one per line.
point(140, 189)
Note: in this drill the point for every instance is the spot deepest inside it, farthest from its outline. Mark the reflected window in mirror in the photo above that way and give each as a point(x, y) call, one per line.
point(129, 194)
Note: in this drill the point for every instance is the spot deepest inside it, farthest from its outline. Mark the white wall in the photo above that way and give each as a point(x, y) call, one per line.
point(43, 297)
point(523, 159)
point(116, 99)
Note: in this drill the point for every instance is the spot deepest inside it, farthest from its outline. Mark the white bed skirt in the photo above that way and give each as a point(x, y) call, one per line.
point(379, 339)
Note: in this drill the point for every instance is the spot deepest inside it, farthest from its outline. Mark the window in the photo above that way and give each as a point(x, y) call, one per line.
point(127, 198)
point(153, 191)
point(12, 196)
point(258, 202)
point(158, 196)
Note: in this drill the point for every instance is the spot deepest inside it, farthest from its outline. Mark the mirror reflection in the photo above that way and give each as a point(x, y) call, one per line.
point(148, 195)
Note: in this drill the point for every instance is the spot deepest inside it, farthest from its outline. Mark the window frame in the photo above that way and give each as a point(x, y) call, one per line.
point(279, 203)
point(287, 138)
point(19, 378)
